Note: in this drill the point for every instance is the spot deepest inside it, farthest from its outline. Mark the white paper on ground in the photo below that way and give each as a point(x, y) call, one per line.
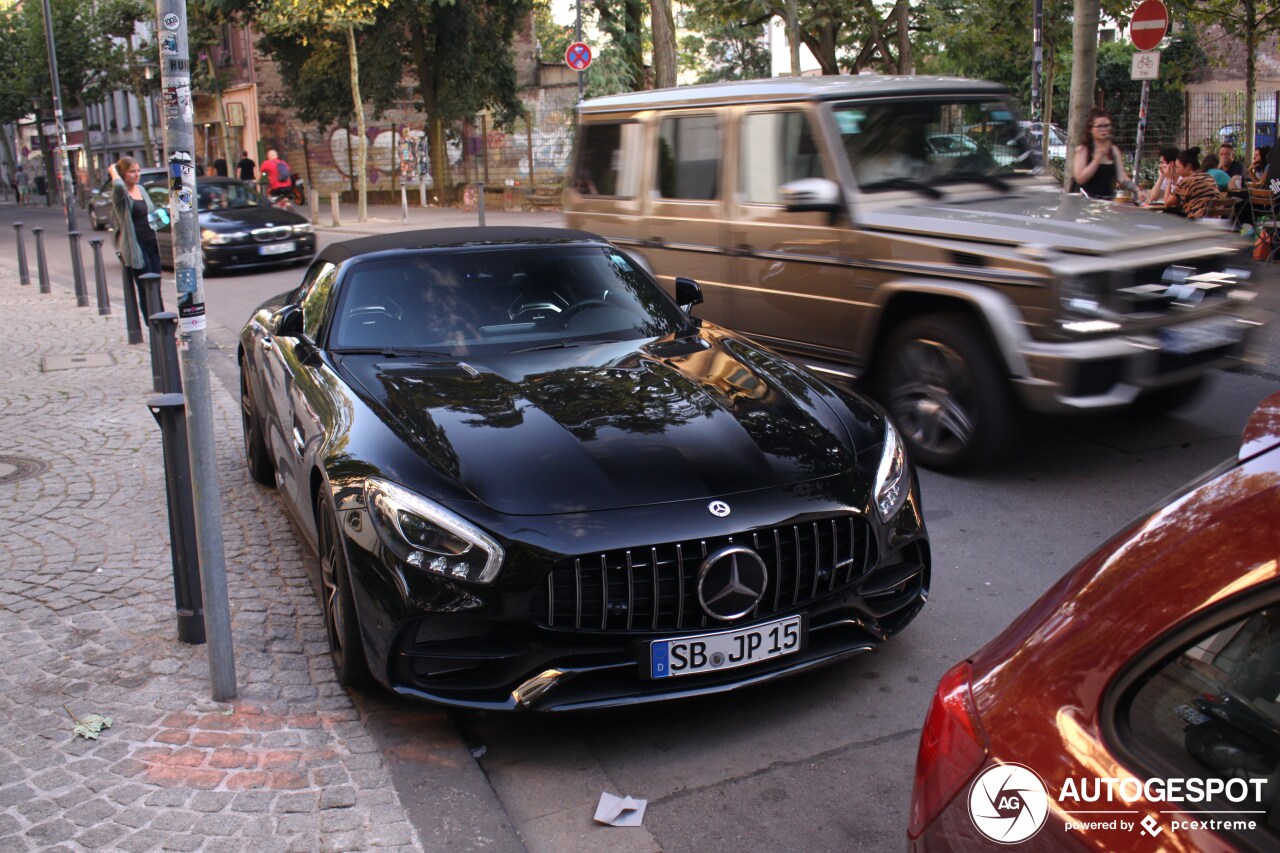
point(620, 811)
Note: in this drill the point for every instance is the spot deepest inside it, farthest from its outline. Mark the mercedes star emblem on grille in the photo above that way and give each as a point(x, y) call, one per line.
point(718, 508)
point(731, 582)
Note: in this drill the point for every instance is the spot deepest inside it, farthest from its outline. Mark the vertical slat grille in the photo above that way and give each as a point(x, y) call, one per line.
point(655, 588)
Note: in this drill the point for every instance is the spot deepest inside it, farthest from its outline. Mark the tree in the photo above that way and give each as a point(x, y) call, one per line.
point(664, 43)
point(724, 51)
point(1084, 68)
point(336, 18)
point(1252, 20)
point(120, 20)
point(15, 90)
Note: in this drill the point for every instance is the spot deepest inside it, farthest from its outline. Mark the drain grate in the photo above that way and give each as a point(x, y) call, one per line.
point(68, 362)
point(15, 468)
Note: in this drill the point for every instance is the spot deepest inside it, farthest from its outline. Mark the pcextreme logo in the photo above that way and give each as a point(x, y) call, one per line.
point(1008, 803)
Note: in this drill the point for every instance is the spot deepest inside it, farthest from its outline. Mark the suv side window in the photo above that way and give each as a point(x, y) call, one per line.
point(606, 160)
point(776, 148)
point(1212, 711)
point(689, 158)
point(313, 296)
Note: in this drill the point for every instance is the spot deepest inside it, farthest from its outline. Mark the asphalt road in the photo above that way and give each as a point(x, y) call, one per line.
point(822, 762)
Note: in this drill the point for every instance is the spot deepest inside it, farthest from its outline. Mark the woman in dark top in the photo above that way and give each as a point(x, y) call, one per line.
point(135, 239)
point(1098, 166)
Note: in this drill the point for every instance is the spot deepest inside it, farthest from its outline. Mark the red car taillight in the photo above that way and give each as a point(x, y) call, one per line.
point(952, 748)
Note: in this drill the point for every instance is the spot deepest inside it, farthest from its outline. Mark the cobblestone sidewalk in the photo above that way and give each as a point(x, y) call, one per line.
point(87, 626)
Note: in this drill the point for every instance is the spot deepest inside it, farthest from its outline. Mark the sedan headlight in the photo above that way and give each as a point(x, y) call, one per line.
point(304, 228)
point(219, 238)
point(427, 536)
point(893, 479)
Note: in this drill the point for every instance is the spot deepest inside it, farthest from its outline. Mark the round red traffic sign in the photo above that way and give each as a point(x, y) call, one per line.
point(578, 56)
point(1149, 24)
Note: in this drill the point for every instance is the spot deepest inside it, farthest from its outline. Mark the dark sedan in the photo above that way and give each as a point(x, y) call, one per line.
point(239, 228)
point(534, 481)
point(1136, 705)
point(101, 214)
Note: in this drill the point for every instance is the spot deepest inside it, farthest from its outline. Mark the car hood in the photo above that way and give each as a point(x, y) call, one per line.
point(1040, 216)
point(610, 426)
point(248, 217)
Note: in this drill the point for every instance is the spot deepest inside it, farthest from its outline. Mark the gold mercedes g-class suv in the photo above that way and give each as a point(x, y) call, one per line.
point(899, 231)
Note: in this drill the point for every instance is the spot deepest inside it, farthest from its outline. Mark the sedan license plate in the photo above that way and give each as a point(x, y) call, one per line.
point(1195, 337)
point(1191, 715)
point(725, 649)
point(277, 249)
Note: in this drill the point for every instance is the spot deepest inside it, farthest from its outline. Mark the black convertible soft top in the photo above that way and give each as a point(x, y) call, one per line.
point(436, 238)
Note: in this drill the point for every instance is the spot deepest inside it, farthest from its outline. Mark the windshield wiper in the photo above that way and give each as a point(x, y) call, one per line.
point(390, 352)
point(563, 345)
point(904, 184)
point(981, 178)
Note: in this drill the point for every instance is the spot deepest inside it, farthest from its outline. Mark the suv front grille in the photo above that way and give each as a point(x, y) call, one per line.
point(656, 588)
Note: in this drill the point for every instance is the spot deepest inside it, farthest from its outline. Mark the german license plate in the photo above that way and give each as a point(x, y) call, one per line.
point(1203, 335)
point(1191, 715)
point(277, 248)
point(725, 649)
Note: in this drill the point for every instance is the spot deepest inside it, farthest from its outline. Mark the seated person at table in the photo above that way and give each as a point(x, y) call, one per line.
point(1210, 168)
point(1167, 177)
point(1258, 169)
point(1195, 189)
point(1227, 161)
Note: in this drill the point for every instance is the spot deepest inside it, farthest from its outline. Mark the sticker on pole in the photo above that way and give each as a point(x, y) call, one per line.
point(171, 21)
point(578, 56)
point(1149, 24)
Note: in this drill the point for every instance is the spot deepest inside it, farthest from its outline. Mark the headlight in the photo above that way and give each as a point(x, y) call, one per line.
point(893, 479)
point(304, 228)
point(1083, 295)
point(216, 238)
point(427, 536)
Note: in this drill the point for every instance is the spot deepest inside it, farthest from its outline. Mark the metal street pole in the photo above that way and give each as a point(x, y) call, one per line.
point(68, 182)
point(577, 36)
point(179, 142)
point(1037, 66)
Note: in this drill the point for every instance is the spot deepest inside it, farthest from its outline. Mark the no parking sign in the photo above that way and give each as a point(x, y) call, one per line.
point(578, 56)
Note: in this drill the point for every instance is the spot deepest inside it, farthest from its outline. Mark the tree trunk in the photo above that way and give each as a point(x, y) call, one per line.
point(87, 135)
point(1084, 75)
point(1251, 26)
point(664, 44)
point(362, 161)
point(634, 23)
point(224, 130)
point(793, 36)
point(437, 152)
point(906, 61)
point(144, 122)
point(877, 36)
point(1047, 113)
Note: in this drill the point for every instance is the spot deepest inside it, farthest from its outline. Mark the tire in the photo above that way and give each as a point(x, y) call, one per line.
point(1162, 401)
point(941, 383)
point(341, 622)
point(256, 454)
point(97, 226)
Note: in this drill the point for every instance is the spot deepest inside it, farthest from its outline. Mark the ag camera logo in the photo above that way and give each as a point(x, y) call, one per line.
point(1008, 803)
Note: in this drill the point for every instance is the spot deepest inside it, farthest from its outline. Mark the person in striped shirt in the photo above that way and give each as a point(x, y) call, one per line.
point(1195, 189)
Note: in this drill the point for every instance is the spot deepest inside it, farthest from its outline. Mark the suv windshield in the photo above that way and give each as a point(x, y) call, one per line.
point(895, 145)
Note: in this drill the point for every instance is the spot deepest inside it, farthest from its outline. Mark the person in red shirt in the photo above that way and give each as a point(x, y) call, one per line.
point(279, 176)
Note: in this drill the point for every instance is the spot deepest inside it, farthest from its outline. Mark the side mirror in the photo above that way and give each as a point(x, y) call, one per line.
point(688, 294)
point(287, 322)
point(812, 194)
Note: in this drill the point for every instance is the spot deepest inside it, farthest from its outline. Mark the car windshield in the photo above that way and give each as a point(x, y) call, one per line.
point(228, 196)
point(894, 145)
point(484, 301)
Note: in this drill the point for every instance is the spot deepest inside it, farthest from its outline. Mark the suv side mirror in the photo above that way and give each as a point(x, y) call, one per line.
point(688, 294)
point(287, 322)
point(812, 194)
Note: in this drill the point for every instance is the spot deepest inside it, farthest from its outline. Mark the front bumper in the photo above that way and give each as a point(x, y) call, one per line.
point(242, 255)
point(1111, 372)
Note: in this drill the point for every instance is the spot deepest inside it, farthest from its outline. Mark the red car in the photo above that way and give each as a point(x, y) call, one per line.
point(1136, 705)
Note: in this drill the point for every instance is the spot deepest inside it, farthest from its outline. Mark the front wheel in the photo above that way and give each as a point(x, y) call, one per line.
point(256, 455)
point(345, 646)
point(946, 393)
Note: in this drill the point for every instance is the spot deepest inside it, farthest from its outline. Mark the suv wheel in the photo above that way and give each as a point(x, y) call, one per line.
point(946, 393)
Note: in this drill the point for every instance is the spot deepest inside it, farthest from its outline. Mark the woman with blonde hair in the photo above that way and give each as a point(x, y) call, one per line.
point(135, 239)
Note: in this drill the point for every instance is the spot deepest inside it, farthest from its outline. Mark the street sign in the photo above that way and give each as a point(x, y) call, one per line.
point(1146, 66)
point(578, 56)
point(1149, 24)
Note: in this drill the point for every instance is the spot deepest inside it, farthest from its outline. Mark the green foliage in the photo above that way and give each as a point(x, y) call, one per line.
point(89, 727)
point(16, 91)
point(723, 50)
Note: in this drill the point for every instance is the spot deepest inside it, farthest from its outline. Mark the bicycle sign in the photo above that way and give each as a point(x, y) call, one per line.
point(1146, 66)
point(578, 56)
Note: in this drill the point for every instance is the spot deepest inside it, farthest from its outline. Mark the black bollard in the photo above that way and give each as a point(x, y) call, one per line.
point(24, 277)
point(151, 306)
point(132, 325)
point(100, 278)
point(164, 328)
point(169, 411)
point(77, 270)
point(42, 267)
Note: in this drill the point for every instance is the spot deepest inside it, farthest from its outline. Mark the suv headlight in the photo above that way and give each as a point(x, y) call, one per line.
point(1083, 295)
point(893, 477)
point(427, 536)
